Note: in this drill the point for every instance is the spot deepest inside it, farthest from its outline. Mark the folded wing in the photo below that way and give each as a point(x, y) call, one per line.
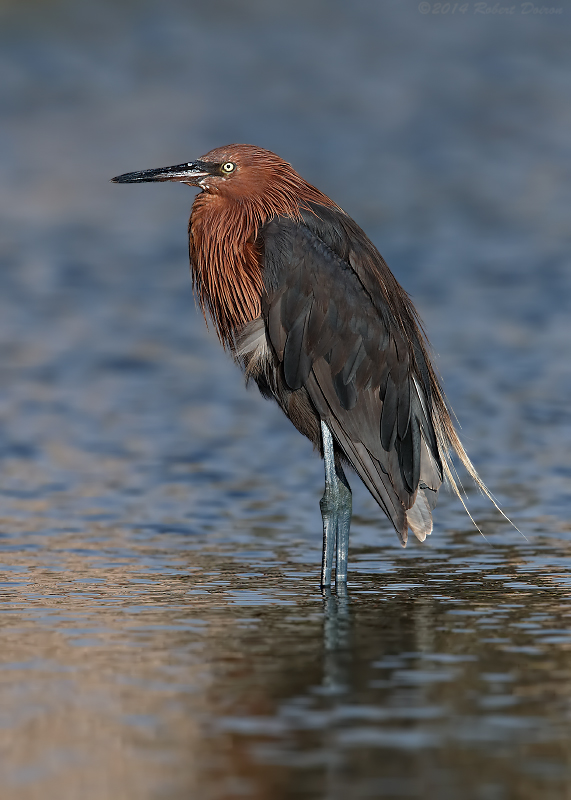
point(359, 356)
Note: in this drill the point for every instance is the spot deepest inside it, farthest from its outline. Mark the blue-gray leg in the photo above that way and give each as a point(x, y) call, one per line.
point(343, 525)
point(336, 506)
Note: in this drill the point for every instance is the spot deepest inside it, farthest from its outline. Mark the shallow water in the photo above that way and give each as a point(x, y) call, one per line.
point(164, 635)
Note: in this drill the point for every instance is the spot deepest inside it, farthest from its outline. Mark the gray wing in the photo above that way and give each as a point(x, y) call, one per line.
point(354, 359)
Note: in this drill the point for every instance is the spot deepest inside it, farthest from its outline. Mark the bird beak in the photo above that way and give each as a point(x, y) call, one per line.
point(190, 173)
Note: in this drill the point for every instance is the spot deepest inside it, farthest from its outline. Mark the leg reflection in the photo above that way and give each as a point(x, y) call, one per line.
point(336, 638)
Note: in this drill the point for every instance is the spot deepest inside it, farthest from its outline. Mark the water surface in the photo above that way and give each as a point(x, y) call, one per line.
point(164, 635)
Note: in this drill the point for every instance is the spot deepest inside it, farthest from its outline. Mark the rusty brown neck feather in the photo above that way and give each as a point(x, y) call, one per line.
point(226, 263)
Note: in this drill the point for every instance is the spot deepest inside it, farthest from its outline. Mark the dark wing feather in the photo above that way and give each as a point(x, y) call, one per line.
point(335, 326)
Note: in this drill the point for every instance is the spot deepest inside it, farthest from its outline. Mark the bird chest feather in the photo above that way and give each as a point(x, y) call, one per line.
point(226, 264)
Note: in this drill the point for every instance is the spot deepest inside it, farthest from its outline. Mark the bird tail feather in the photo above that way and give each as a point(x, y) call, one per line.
point(449, 443)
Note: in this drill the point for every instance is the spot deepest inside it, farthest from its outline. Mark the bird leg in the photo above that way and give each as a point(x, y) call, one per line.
point(343, 524)
point(336, 509)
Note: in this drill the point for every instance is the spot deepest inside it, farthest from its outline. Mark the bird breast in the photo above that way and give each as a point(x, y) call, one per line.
point(226, 265)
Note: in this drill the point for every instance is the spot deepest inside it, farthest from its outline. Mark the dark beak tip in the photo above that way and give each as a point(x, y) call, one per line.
point(128, 177)
point(120, 179)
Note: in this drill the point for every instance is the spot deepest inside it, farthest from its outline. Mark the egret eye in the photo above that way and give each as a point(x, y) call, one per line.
point(228, 167)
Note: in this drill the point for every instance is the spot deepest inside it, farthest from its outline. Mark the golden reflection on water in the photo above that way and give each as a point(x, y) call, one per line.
point(141, 666)
point(99, 689)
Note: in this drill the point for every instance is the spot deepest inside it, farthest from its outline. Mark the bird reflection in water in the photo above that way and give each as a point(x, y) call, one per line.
point(336, 638)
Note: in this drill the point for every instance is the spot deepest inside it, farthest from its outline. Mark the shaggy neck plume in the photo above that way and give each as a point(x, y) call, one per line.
point(227, 266)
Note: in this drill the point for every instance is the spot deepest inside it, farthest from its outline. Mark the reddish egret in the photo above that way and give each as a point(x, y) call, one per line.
point(308, 307)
